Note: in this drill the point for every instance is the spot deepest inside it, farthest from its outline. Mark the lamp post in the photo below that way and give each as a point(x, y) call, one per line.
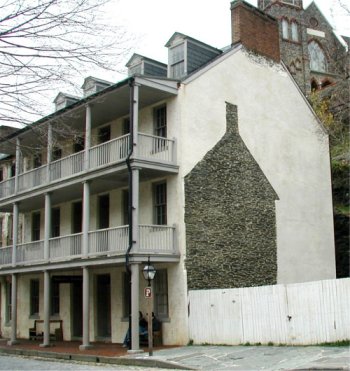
point(148, 273)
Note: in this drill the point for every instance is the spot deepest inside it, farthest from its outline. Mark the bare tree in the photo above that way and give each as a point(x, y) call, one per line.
point(45, 44)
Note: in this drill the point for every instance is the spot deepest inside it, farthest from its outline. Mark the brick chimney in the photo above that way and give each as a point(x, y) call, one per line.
point(255, 29)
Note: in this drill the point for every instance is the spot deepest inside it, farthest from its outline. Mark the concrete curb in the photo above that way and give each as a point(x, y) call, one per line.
point(125, 361)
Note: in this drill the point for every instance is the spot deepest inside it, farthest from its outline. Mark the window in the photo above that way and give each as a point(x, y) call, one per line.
point(160, 206)
point(55, 222)
point(10, 230)
point(12, 170)
point(104, 134)
point(56, 154)
point(285, 26)
point(77, 217)
point(126, 294)
point(34, 297)
point(1, 175)
point(160, 122)
point(161, 309)
point(78, 145)
point(125, 201)
point(318, 60)
point(55, 298)
point(177, 61)
point(103, 212)
point(126, 126)
point(295, 35)
point(36, 226)
point(8, 288)
point(37, 160)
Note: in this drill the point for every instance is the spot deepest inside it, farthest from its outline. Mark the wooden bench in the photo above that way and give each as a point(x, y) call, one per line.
point(157, 338)
point(37, 332)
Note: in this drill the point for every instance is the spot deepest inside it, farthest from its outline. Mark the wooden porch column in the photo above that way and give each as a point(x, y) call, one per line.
point(87, 137)
point(17, 162)
point(135, 307)
point(15, 233)
point(49, 152)
point(47, 226)
point(13, 340)
point(47, 295)
point(86, 218)
point(86, 310)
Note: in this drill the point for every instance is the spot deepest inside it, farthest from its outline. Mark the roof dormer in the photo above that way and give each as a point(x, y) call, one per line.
point(138, 64)
point(186, 54)
point(93, 85)
point(63, 100)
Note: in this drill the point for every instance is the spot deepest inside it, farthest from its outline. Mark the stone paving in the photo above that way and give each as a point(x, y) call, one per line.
point(193, 357)
point(257, 357)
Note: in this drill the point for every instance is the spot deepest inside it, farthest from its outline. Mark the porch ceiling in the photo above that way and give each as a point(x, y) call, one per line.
point(105, 107)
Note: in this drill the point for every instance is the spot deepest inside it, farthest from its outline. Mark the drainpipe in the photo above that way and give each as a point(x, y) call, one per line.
point(130, 184)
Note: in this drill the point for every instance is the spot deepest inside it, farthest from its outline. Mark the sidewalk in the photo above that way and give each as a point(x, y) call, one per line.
point(195, 357)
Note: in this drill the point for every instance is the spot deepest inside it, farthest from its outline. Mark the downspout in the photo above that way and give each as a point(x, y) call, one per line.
point(130, 185)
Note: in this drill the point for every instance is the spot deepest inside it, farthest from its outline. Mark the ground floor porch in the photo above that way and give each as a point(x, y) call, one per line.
point(92, 305)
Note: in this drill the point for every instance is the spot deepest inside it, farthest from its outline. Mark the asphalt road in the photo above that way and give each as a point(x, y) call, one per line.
point(19, 363)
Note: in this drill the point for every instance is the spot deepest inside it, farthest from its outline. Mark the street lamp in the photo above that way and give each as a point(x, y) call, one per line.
point(148, 273)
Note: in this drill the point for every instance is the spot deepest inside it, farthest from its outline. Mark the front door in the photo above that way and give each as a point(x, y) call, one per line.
point(77, 308)
point(103, 305)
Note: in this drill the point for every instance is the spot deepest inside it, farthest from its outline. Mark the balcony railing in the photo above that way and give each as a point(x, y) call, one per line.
point(154, 239)
point(152, 148)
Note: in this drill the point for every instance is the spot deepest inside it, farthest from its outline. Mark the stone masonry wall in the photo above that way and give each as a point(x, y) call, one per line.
point(230, 217)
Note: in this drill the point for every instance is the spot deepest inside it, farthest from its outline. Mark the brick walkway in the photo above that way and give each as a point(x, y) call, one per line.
point(103, 349)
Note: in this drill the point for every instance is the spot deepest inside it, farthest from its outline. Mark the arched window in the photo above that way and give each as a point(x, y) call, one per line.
point(295, 36)
point(318, 60)
point(285, 26)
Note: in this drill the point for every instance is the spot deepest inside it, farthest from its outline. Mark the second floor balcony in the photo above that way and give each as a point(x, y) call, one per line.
point(155, 240)
point(152, 149)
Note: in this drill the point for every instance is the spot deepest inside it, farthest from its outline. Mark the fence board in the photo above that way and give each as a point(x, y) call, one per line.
point(303, 313)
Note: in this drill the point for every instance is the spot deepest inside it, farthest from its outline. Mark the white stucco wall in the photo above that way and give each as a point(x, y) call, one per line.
point(287, 142)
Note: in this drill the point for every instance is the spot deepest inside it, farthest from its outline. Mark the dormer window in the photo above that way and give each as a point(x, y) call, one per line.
point(177, 61)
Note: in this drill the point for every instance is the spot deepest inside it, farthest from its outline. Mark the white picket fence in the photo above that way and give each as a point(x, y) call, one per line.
point(303, 313)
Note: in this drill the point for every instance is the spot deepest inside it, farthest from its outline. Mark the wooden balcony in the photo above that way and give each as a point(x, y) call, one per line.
point(155, 240)
point(152, 149)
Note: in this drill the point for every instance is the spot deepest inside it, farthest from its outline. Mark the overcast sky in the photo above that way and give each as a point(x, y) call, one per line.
point(154, 21)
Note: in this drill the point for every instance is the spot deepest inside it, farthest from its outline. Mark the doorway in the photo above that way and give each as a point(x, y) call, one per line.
point(103, 305)
point(77, 308)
